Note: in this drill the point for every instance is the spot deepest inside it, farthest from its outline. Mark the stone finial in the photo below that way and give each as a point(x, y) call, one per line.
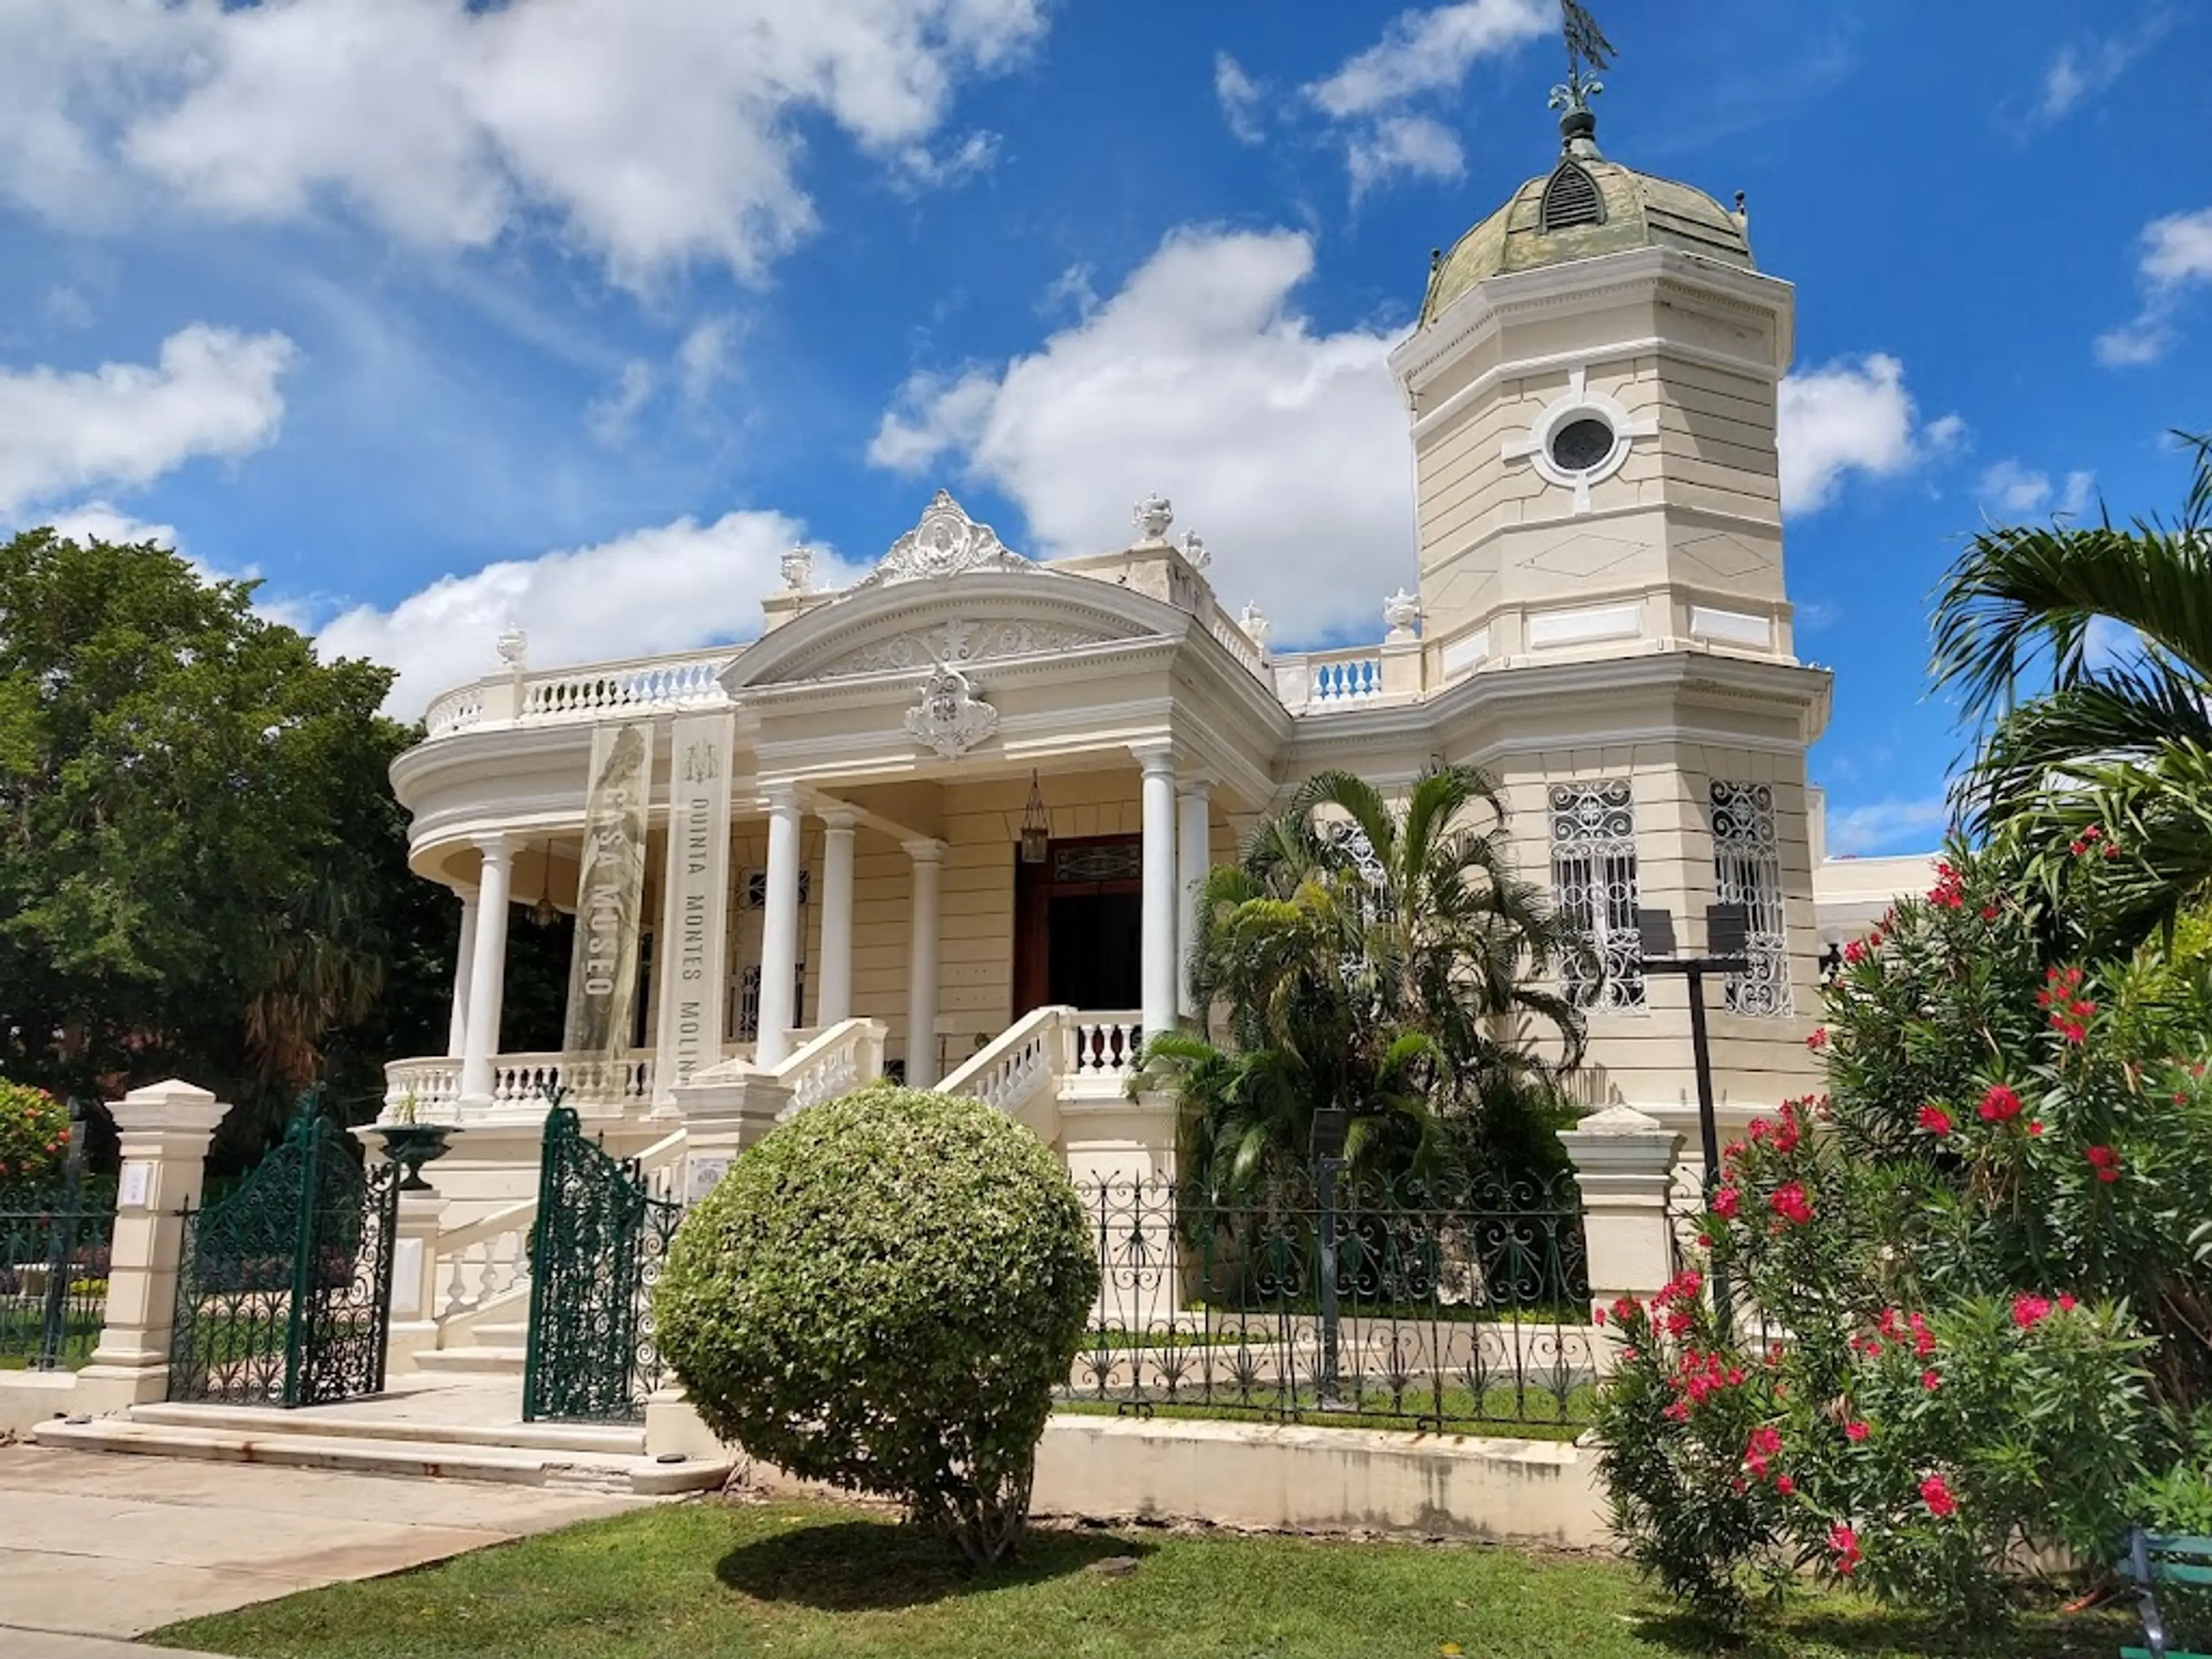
point(1153, 515)
point(1193, 550)
point(797, 567)
point(1256, 627)
point(1402, 612)
point(513, 646)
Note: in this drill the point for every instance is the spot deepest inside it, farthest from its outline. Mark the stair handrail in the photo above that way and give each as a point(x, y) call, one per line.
point(1003, 1070)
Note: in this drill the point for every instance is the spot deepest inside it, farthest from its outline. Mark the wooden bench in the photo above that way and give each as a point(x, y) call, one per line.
point(2155, 1559)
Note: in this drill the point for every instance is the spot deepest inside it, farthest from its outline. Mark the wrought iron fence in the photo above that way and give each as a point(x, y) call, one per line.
point(54, 1245)
point(1446, 1304)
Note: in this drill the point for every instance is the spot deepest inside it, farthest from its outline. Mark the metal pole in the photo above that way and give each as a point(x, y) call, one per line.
point(1328, 1168)
point(61, 1237)
point(1701, 1049)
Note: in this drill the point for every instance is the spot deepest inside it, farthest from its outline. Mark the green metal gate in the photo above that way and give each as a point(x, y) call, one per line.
point(284, 1286)
point(596, 1254)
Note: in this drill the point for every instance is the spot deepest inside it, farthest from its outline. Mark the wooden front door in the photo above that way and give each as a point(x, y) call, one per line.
point(1079, 925)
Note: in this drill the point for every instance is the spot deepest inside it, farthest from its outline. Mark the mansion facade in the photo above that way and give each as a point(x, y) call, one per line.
point(948, 822)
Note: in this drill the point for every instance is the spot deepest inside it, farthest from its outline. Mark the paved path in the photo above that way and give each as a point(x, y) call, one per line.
point(96, 1546)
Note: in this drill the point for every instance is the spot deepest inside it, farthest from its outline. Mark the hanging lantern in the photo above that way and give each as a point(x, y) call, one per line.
point(1036, 826)
point(544, 914)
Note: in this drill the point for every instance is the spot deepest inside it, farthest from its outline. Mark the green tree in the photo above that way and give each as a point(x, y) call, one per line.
point(2085, 651)
point(202, 870)
point(1381, 959)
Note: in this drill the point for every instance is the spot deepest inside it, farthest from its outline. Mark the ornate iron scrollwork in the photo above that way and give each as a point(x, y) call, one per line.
point(1594, 884)
point(1747, 870)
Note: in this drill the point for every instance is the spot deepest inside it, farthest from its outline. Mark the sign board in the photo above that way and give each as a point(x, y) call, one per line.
point(610, 894)
point(693, 949)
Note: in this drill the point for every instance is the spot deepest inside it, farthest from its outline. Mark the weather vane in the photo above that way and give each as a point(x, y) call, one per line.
point(1588, 53)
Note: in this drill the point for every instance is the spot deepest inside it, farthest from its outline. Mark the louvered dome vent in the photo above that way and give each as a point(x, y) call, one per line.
point(1571, 198)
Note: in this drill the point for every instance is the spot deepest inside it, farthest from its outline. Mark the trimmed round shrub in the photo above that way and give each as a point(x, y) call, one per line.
point(883, 1295)
point(35, 1130)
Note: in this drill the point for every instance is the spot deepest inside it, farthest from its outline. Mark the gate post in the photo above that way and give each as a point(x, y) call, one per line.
point(1624, 1164)
point(165, 1129)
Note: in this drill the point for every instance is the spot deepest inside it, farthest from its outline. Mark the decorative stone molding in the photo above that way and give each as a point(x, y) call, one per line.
point(1401, 615)
point(514, 647)
point(1193, 550)
point(949, 719)
point(798, 569)
point(1578, 406)
point(1153, 516)
point(945, 541)
point(959, 642)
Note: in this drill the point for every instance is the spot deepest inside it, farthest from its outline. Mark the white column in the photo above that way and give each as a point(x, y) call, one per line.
point(928, 858)
point(1158, 978)
point(837, 999)
point(778, 929)
point(464, 966)
point(1194, 856)
point(487, 977)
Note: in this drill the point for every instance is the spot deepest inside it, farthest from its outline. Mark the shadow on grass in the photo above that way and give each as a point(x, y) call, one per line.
point(859, 1567)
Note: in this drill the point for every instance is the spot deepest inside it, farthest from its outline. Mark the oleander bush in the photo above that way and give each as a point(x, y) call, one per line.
point(883, 1294)
point(1984, 1257)
point(33, 1135)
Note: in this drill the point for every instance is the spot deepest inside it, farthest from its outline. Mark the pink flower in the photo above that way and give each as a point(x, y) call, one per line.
point(1597, 1315)
point(1791, 1203)
point(1784, 1484)
point(2000, 1104)
point(1726, 1202)
point(2035, 1128)
point(1855, 1431)
point(1936, 1120)
point(2105, 1161)
point(2029, 1311)
point(1937, 1495)
point(1930, 1381)
point(1818, 1040)
point(1844, 1545)
point(2066, 1304)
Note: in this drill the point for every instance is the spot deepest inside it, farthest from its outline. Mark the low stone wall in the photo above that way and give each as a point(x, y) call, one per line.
point(1289, 1477)
point(1281, 1477)
point(30, 1398)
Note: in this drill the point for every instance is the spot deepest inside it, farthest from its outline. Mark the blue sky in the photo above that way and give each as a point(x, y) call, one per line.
point(576, 312)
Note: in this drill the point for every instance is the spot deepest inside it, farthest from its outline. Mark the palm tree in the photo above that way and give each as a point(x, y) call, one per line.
point(1382, 960)
point(2110, 629)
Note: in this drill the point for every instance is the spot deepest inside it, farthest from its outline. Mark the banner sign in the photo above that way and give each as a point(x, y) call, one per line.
point(610, 894)
point(692, 948)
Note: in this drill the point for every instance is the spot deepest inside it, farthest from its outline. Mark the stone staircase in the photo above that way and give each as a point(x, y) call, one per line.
point(459, 1429)
point(497, 1350)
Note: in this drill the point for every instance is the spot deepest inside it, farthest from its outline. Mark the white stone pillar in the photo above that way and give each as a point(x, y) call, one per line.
point(835, 1002)
point(1194, 856)
point(164, 1128)
point(928, 858)
point(465, 967)
point(487, 977)
point(1624, 1164)
point(1158, 944)
point(778, 929)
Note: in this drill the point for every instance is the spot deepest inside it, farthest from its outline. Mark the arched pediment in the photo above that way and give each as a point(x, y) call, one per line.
point(959, 622)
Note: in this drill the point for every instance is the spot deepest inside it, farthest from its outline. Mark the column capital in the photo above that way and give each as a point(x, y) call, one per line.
point(1197, 783)
point(467, 892)
point(841, 820)
point(498, 847)
point(782, 796)
point(922, 849)
point(1157, 758)
point(167, 1107)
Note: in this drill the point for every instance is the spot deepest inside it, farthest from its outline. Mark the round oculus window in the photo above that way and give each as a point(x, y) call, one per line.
point(1582, 445)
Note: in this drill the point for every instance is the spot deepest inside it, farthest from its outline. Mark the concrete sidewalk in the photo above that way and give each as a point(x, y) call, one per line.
point(18, 1643)
point(96, 1546)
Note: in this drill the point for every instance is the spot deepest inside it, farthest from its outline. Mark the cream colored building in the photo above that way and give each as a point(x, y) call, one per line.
point(801, 859)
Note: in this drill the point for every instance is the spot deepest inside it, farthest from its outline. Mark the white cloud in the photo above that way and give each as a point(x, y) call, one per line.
point(608, 419)
point(2009, 487)
point(214, 392)
point(921, 168)
point(1240, 97)
point(2080, 74)
point(1372, 96)
point(1408, 146)
point(2176, 256)
point(1887, 826)
point(1285, 448)
point(672, 587)
point(1852, 416)
point(652, 133)
point(704, 357)
point(1425, 52)
point(100, 521)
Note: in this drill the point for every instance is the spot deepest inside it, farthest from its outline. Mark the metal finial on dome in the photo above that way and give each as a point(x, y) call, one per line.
point(1588, 53)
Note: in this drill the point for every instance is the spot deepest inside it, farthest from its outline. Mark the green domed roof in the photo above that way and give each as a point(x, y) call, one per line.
point(1586, 207)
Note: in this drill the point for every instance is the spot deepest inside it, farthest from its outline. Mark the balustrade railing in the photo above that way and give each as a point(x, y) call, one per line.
point(1104, 1045)
point(519, 1080)
point(845, 1057)
point(1004, 1072)
point(582, 693)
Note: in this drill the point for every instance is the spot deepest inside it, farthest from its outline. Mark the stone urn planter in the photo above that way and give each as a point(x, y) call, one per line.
point(411, 1146)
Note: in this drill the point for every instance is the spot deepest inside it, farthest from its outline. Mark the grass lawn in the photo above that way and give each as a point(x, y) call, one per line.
point(809, 1581)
